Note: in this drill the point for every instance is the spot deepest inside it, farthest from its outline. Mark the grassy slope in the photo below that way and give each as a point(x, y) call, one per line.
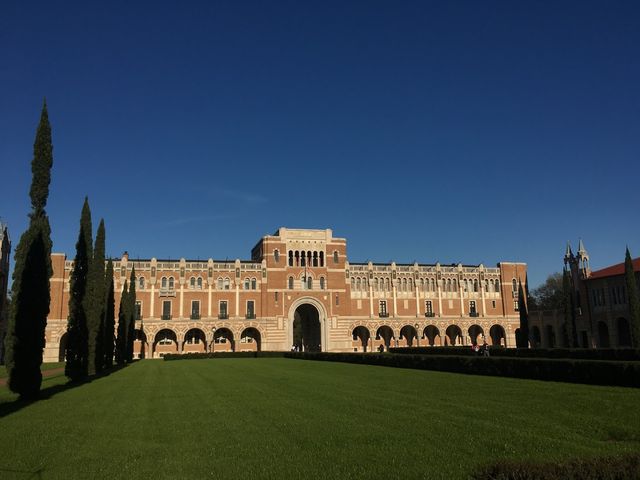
point(281, 418)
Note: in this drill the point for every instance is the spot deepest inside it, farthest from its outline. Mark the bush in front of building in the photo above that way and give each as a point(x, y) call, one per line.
point(595, 372)
point(619, 467)
point(201, 355)
point(611, 354)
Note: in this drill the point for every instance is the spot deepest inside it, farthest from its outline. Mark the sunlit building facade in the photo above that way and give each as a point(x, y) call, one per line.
point(299, 291)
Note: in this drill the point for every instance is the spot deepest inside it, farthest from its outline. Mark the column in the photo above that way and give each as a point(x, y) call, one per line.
point(152, 300)
point(209, 302)
point(417, 301)
point(395, 302)
point(181, 299)
point(370, 300)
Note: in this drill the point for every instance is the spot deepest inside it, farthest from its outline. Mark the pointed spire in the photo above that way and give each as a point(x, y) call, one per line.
point(568, 253)
point(581, 249)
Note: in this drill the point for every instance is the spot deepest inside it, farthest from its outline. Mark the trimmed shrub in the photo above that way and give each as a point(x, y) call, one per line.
point(612, 354)
point(200, 355)
point(618, 467)
point(595, 372)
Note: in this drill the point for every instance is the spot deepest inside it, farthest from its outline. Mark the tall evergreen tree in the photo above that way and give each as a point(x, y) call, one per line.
point(569, 331)
point(121, 339)
point(109, 317)
point(633, 300)
point(131, 321)
point(95, 320)
point(77, 366)
point(522, 341)
point(29, 308)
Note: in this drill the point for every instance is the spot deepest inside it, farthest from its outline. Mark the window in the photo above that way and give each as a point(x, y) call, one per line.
point(514, 285)
point(428, 308)
point(195, 310)
point(516, 306)
point(493, 304)
point(291, 258)
point(254, 284)
point(290, 283)
point(141, 283)
point(246, 284)
point(166, 310)
point(309, 283)
point(322, 259)
point(199, 282)
point(163, 283)
point(383, 309)
point(497, 282)
point(276, 255)
point(219, 283)
point(226, 283)
point(337, 300)
point(475, 285)
point(275, 296)
point(170, 283)
point(138, 310)
point(336, 258)
point(321, 283)
point(251, 312)
point(192, 282)
point(472, 308)
point(224, 313)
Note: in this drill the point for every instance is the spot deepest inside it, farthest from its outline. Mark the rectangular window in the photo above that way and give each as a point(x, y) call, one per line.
point(138, 310)
point(275, 296)
point(166, 310)
point(224, 313)
point(251, 312)
point(195, 310)
point(337, 300)
point(472, 309)
point(493, 304)
point(516, 306)
point(383, 309)
point(428, 309)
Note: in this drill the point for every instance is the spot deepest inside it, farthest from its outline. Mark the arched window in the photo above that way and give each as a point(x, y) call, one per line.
point(358, 284)
point(336, 257)
point(163, 282)
point(200, 282)
point(192, 282)
point(309, 283)
point(276, 255)
point(497, 285)
point(353, 284)
point(246, 284)
point(226, 283)
point(514, 285)
point(375, 284)
point(141, 283)
point(321, 283)
point(386, 285)
point(290, 283)
point(170, 283)
point(475, 285)
point(297, 257)
point(254, 284)
point(291, 258)
point(315, 259)
point(411, 284)
point(303, 259)
point(322, 259)
point(219, 283)
point(454, 285)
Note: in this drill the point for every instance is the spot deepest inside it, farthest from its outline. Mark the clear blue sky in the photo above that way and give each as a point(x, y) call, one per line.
point(466, 132)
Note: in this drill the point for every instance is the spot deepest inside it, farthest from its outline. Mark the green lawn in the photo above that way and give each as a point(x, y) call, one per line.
point(282, 418)
point(45, 366)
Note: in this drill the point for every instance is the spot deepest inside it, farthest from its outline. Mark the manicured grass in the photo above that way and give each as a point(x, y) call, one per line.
point(43, 367)
point(283, 418)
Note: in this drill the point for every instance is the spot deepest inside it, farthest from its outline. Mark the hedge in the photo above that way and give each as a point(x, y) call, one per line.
point(618, 467)
point(595, 372)
point(618, 354)
point(199, 356)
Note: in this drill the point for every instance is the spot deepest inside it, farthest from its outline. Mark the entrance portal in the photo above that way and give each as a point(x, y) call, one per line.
point(306, 329)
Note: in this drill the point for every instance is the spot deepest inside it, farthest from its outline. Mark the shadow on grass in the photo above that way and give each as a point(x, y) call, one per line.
point(37, 473)
point(8, 408)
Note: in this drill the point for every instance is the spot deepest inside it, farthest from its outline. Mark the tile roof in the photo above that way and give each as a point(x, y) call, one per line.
point(617, 269)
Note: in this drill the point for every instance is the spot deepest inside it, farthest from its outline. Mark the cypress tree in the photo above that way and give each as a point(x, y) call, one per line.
point(109, 317)
point(523, 338)
point(633, 300)
point(131, 321)
point(29, 307)
point(121, 339)
point(95, 319)
point(79, 304)
point(569, 331)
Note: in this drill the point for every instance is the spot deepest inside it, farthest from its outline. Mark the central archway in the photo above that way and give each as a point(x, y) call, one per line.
point(307, 334)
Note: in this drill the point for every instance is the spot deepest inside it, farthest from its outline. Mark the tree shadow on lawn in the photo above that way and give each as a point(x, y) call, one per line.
point(7, 408)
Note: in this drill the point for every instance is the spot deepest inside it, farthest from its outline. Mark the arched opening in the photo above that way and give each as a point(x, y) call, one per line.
point(536, 338)
point(306, 329)
point(624, 332)
point(62, 348)
point(223, 341)
point(498, 336)
point(384, 335)
point(140, 345)
point(360, 339)
point(408, 336)
point(194, 341)
point(476, 334)
point(432, 334)
point(603, 335)
point(453, 335)
point(250, 340)
point(550, 336)
point(165, 342)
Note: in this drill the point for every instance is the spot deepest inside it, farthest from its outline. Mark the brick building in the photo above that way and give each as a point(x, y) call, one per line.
point(300, 291)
